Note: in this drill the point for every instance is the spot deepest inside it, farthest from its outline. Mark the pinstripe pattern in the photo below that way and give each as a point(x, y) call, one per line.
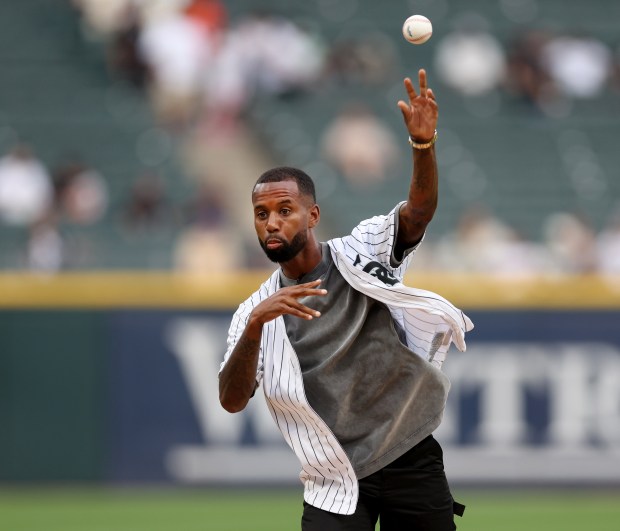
point(430, 322)
point(329, 480)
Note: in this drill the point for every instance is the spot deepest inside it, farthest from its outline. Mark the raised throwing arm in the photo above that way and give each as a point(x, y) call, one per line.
point(420, 116)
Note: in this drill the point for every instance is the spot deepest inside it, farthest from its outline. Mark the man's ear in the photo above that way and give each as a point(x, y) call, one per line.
point(315, 216)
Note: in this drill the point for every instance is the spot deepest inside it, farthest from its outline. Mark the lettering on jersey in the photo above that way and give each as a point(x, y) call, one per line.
point(435, 344)
point(377, 270)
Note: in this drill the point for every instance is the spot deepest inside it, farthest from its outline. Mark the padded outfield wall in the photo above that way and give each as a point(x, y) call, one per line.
point(113, 377)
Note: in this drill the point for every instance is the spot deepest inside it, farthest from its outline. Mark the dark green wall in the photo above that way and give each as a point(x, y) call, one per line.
point(51, 406)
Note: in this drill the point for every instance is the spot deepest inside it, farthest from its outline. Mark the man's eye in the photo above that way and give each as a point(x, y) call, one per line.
point(285, 211)
point(261, 215)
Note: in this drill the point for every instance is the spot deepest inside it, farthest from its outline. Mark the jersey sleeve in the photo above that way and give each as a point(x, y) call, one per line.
point(377, 237)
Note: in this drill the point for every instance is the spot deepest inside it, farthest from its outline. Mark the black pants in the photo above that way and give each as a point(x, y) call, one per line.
point(409, 494)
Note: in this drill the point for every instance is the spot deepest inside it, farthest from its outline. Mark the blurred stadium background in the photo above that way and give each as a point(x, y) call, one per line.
point(131, 132)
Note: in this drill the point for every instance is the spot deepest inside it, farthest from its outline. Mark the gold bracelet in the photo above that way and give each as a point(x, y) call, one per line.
point(415, 145)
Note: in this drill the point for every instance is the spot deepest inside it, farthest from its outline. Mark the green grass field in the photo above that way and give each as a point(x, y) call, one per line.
point(88, 509)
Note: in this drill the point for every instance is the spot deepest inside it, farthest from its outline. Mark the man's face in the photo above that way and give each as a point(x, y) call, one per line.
point(282, 218)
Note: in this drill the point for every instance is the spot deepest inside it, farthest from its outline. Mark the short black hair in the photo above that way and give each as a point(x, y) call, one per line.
point(286, 173)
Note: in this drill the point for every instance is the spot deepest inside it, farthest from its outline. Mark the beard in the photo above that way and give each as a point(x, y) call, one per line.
point(287, 251)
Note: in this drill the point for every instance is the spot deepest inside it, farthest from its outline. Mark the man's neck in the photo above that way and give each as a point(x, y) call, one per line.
point(304, 262)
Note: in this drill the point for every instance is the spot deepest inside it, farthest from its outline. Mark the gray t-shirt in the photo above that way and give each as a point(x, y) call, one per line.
point(357, 372)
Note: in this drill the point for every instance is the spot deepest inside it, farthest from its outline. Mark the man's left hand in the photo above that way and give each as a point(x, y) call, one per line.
point(420, 114)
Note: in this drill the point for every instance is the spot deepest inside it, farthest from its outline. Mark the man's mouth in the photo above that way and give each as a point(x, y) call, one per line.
point(273, 243)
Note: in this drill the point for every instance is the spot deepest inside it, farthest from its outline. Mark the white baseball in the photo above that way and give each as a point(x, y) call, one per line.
point(417, 29)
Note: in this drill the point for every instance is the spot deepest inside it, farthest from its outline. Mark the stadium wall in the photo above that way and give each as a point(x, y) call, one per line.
point(113, 377)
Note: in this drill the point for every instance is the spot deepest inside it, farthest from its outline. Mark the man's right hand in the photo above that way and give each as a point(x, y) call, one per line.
point(286, 302)
point(238, 377)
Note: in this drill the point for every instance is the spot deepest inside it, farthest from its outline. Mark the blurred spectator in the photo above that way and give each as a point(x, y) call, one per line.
point(470, 59)
point(209, 243)
point(147, 207)
point(608, 246)
point(249, 61)
point(177, 51)
point(571, 242)
point(368, 59)
point(81, 193)
point(124, 57)
point(527, 76)
point(277, 73)
point(360, 146)
point(207, 208)
point(210, 15)
point(104, 17)
point(25, 187)
point(226, 85)
point(45, 248)
point(482, 243)
point(580, 66)
point(208, 250)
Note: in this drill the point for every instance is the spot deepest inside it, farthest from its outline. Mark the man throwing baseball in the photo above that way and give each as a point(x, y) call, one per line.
point(348, 357)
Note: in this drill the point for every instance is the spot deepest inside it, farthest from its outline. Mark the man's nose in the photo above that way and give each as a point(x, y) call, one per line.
point(272, 222)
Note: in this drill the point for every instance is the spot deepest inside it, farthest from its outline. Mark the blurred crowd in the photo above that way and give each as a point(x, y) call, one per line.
point(194, 64)
point(545, 68)
point(483, 243)
point(200, 71)
point(74, 194)
point(192, 60)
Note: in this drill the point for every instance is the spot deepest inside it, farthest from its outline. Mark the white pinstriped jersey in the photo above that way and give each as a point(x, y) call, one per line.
point(430, 322)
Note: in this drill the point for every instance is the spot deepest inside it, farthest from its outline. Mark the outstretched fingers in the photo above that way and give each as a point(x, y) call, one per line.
point(415, 100)
point(423, 83)
point(405, 109)
point(425, 92)
point(308, 289)
point(410, 89)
